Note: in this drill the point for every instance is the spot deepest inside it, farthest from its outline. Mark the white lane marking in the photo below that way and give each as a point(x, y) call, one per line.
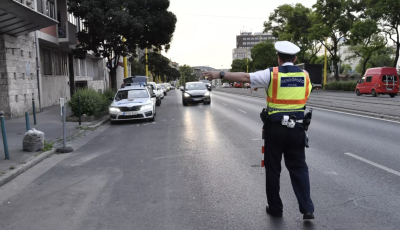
point(224, 104)
point(242, 111)
point(374, 164)
point(256, 139)
point(357, 115)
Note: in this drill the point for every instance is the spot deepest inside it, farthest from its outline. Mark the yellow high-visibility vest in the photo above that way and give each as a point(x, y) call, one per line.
point(288, 92)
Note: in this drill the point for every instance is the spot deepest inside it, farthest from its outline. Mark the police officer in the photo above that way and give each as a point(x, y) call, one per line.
point(287, 88)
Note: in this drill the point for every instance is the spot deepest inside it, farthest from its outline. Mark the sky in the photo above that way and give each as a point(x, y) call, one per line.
point(206, 30)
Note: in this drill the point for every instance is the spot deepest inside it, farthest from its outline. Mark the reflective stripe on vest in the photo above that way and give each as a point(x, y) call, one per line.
point(281, 100)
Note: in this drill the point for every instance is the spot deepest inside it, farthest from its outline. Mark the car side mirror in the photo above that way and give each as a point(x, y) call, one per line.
point(181, 88)
point(153, 95)
point(359, 81)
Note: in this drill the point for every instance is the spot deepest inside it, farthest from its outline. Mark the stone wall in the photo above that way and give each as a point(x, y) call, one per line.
point(96, 85)
point(54, 88)
point(18, 74)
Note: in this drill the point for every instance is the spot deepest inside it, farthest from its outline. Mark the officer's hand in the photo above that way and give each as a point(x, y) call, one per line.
point(211, 75)
point(255, 89)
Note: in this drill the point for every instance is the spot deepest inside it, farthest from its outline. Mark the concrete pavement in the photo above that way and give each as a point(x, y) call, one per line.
point(198, 167)
point(49, 121)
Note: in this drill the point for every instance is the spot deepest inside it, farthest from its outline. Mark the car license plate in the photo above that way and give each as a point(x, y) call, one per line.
point(197, 99)
point(129, 113)
point(389, 89)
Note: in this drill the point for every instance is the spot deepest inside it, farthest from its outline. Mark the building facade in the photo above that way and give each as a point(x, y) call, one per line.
point(246, 41)
point(36, 41)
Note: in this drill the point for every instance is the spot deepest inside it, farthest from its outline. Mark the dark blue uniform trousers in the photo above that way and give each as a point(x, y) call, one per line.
point(280, 140)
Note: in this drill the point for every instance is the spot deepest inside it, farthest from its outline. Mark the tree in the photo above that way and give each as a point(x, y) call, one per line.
point(332, 19)
point(264, 56)
point(157, 64)
point(292, 23)
point(240, 65)
point(345, 68)
point(380, 58)
point(187, 74)
point(138, 69)
point(173, 74)
point(387, 13)
point(106, 22)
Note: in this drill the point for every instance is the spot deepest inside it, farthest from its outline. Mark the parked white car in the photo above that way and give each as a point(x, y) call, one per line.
point(133, 102)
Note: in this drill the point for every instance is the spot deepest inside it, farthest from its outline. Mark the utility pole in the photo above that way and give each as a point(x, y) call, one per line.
point(125, 62)
point(147, 66)
point(326, 63)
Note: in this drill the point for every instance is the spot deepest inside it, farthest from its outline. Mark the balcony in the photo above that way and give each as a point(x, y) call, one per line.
point(18, 17)
point(67, 33)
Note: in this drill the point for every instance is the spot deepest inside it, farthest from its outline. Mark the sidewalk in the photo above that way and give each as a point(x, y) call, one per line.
point(49, 121)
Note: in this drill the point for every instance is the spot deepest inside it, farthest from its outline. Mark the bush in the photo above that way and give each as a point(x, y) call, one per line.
point(92, 102)
point(109, 93)
point(345, 85)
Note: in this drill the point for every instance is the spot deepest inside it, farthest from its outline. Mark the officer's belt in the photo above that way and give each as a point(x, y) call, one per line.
point(284, 110)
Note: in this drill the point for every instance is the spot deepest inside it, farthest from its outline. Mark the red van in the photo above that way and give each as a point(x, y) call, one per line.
point(382, 80)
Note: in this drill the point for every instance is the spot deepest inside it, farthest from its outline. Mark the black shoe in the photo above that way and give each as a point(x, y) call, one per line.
point(272, 213)
point(308, 216)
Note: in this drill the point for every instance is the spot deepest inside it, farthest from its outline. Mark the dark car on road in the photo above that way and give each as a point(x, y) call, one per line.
point(195, 92)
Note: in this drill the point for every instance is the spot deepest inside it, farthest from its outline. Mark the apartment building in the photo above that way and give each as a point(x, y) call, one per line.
point(246, 41)
point(36, 41)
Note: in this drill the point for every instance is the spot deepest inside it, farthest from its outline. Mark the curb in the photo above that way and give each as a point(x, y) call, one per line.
point(356, 112)
point(34, 160)
point(102, 121)
point(11, 174)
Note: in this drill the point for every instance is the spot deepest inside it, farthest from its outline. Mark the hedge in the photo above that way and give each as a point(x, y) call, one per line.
point(92, 102)
point(343, 85)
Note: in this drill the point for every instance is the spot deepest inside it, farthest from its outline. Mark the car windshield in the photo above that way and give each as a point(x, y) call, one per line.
point(131, 94)
point(195, 86)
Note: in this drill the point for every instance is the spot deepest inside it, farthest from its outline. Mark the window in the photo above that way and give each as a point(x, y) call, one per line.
point(369, 79)
point(76, 66)
point(389, 78)
point(57, 63)
point(82, 67)
point(89, 67)
point(64, 63)
point(47, 63)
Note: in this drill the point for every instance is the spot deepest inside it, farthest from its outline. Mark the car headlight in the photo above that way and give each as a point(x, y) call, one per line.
point(147, 106)
point(187, 95)
point(114, 109)
point(207, 94)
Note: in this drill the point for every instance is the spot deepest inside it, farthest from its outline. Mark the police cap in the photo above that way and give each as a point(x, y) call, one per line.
point(286, 47)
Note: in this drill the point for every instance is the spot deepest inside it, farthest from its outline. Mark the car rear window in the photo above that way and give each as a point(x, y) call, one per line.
point(389, 78)
point(131, 94)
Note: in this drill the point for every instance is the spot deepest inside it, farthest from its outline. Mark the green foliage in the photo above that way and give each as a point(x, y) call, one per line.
point(387, 14)
point(138, 68)
point(332, 19)
point(48, 145)
point(187, 74)
point(292, 23)
point(380, 58)
point(264, 56)
point(344, 68)
point(345, 85)
point(159, 66)
point(240, 65)
point(109, 93)
point(92, 102)
point(142, 23)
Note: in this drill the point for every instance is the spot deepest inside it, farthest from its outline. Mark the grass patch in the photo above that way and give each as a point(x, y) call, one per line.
point(86, 128)
point(12, 167)
point(48, 145)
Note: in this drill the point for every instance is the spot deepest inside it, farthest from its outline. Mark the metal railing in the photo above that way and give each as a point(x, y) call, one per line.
point(45, 7)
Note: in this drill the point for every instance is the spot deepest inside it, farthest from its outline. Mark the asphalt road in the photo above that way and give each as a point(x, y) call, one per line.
point(198, 167)
point(382, 104)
